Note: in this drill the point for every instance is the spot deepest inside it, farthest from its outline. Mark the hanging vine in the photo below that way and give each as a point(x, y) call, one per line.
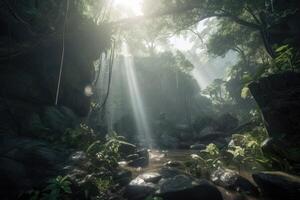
point(62, 55)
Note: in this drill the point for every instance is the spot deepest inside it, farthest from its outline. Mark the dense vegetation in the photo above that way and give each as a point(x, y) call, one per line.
point(97, 93)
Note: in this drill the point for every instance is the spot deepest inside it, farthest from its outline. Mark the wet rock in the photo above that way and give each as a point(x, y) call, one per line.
point(132, 156)
point(126, 149)
point(152, 177)
point(78, 158)
point(143, 153)
point(138, 189)
point(168, 172)
point(184, 187)
point(84, 188)
point(278, 185)
point(173, 163)
point(123, 177)
point(197, 146)
point(230, 179)
point(140, 162)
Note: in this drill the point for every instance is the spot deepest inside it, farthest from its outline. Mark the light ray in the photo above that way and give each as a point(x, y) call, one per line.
point(144, 132)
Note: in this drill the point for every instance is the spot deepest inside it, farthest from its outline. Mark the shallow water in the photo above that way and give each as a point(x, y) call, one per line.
point(159, 157)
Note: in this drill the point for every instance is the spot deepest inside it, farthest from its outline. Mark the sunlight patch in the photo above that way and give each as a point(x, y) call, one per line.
point(88, 91)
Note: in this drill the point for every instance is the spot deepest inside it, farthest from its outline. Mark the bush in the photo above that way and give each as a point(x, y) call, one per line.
point(244, 150)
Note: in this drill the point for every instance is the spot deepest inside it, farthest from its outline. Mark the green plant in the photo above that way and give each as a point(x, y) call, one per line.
point(246, 149)
point(104, 186)
point(80, 136)
point(206, 161)
point(57, 188)
point(107, 153)
point(287, 58)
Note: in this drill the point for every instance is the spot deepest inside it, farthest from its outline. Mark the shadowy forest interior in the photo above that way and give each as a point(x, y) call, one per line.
point(150, 99)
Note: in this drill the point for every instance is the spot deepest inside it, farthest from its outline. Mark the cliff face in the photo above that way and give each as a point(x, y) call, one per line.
point(30, 68)
point(278, 97)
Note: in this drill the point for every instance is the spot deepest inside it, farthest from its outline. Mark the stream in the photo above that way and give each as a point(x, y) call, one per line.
point(158, 159)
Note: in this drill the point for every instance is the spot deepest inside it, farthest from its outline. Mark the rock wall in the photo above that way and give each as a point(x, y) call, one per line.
point(29, 80)
point(278, 97)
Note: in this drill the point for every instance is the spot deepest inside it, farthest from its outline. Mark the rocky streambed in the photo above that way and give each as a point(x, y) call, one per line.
point(165, 177)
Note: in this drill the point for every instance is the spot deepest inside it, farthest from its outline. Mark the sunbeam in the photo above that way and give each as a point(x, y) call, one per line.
point(144, 132)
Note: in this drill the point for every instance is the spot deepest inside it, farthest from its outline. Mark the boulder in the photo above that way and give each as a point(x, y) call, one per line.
point(123, 177)
point(139, 162)
point(176, 186)
point(152, 177)
point(138, 189)
point(58, 119)
point(26, 163)
point(173, 163)
point(132, 156)
point(184, 187)
point(281, 149)
point(230, 179)
point(78, 158)
point(168, 172)
point(278, 185)
point(143, 153)
point(126, 149)
point(278, 98)
point(202, 122)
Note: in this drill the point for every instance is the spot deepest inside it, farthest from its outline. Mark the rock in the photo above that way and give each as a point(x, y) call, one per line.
point(123, 177)
point(278, 98)
point(78, 158)
point(278, 185)
point(26, 163)
point(226, 122)
point(152, 177)
point(132, 156)
point(203, 122)
point(184, 187)
point(84, 188)
point(230, 179)
point(168, 172)
point(126, 149)
point(138, 189)
point(143, 153)
point(140, 162)
point(280, 148)
point(197, 146)
point(13, 178)
point(172, 163)
point(58, 118)
point(178, 182)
